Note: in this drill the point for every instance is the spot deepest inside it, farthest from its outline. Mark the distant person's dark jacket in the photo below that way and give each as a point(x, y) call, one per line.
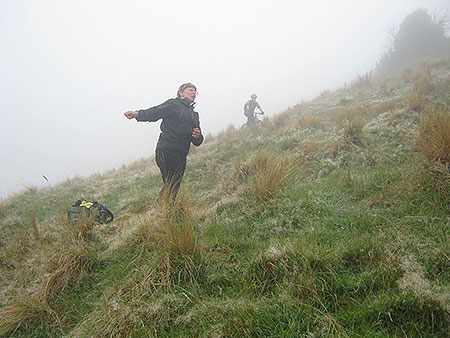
point(178, 120)
point(250, 106)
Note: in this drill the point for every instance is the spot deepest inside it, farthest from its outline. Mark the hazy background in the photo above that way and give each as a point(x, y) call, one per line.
point(69, 69)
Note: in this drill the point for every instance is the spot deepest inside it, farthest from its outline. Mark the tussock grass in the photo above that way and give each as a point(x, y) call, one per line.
point(279, 121)
point(352, 137)
point(34, 226)
point(419, 96)
point(310, 148)
point(310, 121)
point(31, 189)
point(19, 245)
point(385, 106)
point(434, 137)
point(117, 318)
point(2, 210)
point(434, 142)
point(416, 100)
point(342, 115)
point(424, 85)
point(364, 80)
point(268, 270)
point(68, 266)
point(353, 130)
point(228, 136)
point(172, 231)
point(180, 243)
point(82, 229)
point(23, 310)
point(396, 117)
point(258, 162)
point(270, 174)
point(268, 183)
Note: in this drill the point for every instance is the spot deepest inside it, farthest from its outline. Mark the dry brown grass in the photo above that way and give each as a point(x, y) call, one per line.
point(77, 180)
point(31, 189)
point(239, 172)
point(140, 164)
point(271, 175)
point(228, 136)
point(82, 229)
point(172, 231)
point(280, 120)
point(310, 148)
point(434, 137)
point(271, 267)
point(416, 100)
point(353, 130)
point(259, 161)
point(423, 84)
point(396, 116)
point(342, 115)
point(364, 80)
point(2, 210)
point(310, 121)
point(252, 166)
point(418, 97)
point(34, 225)
point(208, 138)
point(75, 259)
point(385, 106)
point(24, 310)
point(179, 238)
point(352, 137)
point(434, 142)
point(20, 244)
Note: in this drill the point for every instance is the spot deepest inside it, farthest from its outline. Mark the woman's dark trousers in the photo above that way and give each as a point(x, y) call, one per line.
point(172, 165)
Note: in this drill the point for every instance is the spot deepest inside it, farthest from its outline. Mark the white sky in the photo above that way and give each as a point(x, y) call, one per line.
point(69, 69)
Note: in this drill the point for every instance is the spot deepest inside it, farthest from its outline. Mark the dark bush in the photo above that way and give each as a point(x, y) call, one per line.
point(419, 36)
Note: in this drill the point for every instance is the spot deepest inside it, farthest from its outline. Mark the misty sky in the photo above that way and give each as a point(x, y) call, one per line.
point(69, 69)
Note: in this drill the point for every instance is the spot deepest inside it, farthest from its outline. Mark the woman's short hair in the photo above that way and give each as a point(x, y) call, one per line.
point(184, 86)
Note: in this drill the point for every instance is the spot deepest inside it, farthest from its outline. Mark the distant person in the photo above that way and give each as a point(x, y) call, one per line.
point(249, 109)
point(179, 128)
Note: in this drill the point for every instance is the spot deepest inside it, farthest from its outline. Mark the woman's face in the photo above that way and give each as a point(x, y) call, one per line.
point(189, 93)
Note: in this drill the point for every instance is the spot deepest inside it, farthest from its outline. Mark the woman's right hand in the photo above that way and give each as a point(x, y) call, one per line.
point(130, 114)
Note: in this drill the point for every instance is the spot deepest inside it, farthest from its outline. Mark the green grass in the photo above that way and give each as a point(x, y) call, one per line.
point(354, 244)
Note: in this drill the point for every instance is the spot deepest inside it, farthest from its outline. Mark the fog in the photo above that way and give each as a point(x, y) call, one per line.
point(69, 69)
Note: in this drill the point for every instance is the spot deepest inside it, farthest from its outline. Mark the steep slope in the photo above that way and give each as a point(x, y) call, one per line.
point(327, 221)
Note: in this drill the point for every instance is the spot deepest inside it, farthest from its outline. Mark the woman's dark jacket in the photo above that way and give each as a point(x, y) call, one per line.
point(179, 118)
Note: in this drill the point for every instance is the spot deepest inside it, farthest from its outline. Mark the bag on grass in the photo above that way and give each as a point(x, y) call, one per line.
point(94, 210)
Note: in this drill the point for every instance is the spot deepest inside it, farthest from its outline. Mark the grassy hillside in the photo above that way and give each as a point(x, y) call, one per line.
point(331, 220)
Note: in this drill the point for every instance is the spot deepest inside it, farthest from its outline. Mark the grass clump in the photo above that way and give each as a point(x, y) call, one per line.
point(434, 142)
point(64, 263)
point(2, 210)
point(271, 173)
point(269, 269)
point(23, 310)
point(416, 100)
point(385, 106)
point(352, 137)
point(256, 163)
point(172, 231)
point(310, 121)
point(434, 137)
point(396, 116)
point(421, 89)
point(353, 130)
point(364, 80)
point(71, 263)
